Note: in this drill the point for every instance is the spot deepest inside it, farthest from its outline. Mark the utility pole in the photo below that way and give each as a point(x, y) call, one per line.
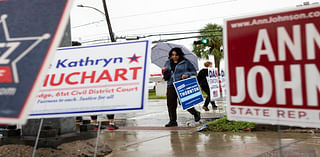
point(106, 14)
point(108, 21)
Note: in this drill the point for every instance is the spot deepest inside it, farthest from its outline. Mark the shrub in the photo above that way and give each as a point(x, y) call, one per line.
point(223, 124)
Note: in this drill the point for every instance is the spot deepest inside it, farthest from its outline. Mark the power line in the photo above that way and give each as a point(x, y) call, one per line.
point(102, 42)
point(193, 30)
point(163, 40)
point(174, 9)
point(157, 41)
point(90, 41)
point(179, 33)
point(155, 34)
point(173, 39)
point(190, 21)
point(146, 35)
point(94, 22)
point(94, 35)
point(179, 23)
point(157, 12)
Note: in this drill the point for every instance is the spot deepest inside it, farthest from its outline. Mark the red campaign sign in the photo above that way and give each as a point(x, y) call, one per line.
point(273, 67)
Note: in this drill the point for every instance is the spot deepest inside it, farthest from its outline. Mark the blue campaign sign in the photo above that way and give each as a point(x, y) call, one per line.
point(189, 92)
point(30, 32)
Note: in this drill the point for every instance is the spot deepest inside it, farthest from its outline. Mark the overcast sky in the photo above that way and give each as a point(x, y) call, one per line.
point(144, 17)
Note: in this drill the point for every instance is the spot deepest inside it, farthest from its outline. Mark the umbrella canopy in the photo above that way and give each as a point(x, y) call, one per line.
point(160, 53)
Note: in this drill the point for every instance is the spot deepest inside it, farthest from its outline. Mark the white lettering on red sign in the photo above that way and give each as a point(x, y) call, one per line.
point(264, 49)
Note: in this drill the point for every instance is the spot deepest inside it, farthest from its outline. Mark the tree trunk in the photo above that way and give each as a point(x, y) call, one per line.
point(217, 64)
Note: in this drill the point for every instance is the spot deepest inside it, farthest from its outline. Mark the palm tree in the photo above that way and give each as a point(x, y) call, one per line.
point(213, 33)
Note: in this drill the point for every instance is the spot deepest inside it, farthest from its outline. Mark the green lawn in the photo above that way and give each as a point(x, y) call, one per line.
point(152, 95)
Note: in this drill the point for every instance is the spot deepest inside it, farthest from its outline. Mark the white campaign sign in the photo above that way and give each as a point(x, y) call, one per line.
point(93, 80)
point(213, 83)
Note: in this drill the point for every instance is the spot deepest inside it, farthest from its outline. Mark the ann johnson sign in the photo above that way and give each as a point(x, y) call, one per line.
point(273, 67)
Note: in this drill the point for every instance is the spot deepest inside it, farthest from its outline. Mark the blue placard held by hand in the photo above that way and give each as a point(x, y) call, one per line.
point(189, 92)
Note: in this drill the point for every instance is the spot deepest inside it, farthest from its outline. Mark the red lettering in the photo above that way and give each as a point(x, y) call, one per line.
point(74, 92)
point(59, 82)
point(75, 78)
point(291, 114)
point(249, 112)
point(301, 114)
point(120, 73)
point(46, 81)
point(281, 113)
point(266, 113)
point(233, 111)
point(257, 111)
point(68, 78)
point(240, 109)
point(105, 75)
point(135, 72)
point(91, 77)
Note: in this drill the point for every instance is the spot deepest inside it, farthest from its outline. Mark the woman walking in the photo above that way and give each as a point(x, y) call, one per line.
point(202, 79)
point(175, 69)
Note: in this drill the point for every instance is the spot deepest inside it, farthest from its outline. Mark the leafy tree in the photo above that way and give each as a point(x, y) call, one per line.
point(213, 32)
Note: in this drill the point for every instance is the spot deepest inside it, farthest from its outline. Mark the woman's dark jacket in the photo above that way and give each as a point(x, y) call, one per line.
point(202, 78)
point(183, 67)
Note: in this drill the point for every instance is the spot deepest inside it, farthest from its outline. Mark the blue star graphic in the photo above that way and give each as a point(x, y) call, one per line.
point(10, 57)
point(134, 58)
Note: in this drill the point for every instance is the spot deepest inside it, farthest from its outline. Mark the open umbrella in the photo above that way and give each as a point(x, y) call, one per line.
point(160, 52)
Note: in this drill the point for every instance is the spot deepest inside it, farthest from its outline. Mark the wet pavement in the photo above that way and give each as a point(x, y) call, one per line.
point(146, 143)
point(143, 135)
point(156, 115)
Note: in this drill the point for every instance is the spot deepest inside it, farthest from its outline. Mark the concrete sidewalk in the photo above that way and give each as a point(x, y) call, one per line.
point(156, 115)
point(182, 143)
point(142, 135)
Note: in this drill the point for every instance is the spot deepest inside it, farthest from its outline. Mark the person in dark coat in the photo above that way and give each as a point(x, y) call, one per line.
point(202, 79)
point(177, 68)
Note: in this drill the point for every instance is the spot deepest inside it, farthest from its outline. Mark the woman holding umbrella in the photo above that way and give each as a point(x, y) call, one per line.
point(177, 68)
